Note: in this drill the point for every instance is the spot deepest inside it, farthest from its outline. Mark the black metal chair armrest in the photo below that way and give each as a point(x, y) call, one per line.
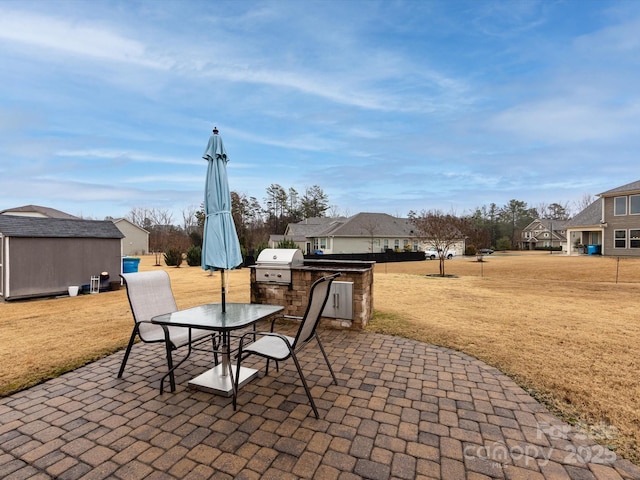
point(264, 334)
point(285, 317)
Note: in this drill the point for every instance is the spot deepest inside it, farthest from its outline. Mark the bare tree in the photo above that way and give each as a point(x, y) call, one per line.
point(159, 223)
point(553, 211)
point(476, 232)
point(189, 219)
point(371, 226)
point(334, 211)
point(586, 200)
point(138, 216)
point(441, 231)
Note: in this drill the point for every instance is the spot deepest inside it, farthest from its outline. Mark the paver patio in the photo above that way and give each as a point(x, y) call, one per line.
point(402, 410)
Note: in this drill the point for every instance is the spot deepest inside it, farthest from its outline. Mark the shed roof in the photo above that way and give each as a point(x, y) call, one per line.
point(21, 226)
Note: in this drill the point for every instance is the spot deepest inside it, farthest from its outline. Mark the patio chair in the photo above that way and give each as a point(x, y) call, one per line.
point(150, 295)
point(278, 347)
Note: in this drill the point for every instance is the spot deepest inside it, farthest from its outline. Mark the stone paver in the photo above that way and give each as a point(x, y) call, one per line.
point(402, 410)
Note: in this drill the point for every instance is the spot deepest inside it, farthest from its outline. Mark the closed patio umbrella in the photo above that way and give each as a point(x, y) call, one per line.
point(220, 246)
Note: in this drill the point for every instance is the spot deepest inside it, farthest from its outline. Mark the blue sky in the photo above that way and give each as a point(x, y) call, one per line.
point(388, 106)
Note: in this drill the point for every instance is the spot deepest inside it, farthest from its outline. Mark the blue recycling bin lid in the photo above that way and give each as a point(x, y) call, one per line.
point(130, 264)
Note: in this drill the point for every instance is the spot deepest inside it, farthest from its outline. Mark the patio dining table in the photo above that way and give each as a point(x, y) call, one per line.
point(219, 379)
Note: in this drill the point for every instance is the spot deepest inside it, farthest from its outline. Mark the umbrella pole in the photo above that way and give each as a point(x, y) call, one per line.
point(225, 347)
point(224, 306)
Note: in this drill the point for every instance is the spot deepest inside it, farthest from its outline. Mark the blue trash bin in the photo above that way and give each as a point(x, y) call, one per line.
point(594, 249)
point(130, 264)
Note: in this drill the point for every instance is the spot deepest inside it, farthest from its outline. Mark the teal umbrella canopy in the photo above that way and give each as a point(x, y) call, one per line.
point(220, 245)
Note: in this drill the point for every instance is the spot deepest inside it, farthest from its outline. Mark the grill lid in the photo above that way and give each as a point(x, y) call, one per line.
point(283, 257)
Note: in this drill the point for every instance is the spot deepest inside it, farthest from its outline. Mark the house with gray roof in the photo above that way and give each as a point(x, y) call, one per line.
point(544, 233)
point(36, 211)
point(361, 233)
point(302, 232)
point(610, 225)
point(586, 228)
point(42, 256)
point(136, 239)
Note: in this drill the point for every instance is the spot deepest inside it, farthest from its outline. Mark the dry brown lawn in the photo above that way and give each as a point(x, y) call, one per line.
point(565, 328)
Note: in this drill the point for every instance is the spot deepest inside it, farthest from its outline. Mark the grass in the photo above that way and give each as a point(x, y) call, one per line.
point(567, 329)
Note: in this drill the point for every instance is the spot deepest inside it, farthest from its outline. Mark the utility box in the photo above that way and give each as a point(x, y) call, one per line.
point(340, 301)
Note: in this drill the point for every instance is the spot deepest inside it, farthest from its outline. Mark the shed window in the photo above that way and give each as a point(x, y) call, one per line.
point(634, 238)
point(634, 205)
point(620, 238)
point(620, 206)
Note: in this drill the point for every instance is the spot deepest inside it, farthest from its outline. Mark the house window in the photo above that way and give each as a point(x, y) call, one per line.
point(620, 206)
point(415, 245)
point(634, 204)
point(634, 238)
point(396, 244)
point(386, 244)
point(319, 243)
point(620, 238)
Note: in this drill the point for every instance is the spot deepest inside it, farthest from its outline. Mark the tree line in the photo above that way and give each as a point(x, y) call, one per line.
point(488, 226)
point(254, 221)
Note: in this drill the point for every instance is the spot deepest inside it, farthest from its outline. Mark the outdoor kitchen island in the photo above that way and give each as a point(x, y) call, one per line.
point(284, 277)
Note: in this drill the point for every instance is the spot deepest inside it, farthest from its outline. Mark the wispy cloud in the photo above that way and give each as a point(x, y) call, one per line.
point(127, 156)
point(387, 106)
point(60, 35)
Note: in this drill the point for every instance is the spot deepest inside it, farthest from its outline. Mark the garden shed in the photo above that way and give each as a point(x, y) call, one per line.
point(44, 256)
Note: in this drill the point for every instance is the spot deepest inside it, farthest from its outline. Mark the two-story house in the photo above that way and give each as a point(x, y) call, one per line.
point(611, 223)
point(544, 233)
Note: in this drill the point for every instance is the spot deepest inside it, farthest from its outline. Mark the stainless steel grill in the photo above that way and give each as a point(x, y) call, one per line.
point(274, 264)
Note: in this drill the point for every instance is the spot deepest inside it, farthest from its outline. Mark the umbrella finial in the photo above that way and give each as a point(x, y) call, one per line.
point(215, 130)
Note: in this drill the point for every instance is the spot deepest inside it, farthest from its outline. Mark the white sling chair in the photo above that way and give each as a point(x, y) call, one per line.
point(150, 295)
point(278, 347)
